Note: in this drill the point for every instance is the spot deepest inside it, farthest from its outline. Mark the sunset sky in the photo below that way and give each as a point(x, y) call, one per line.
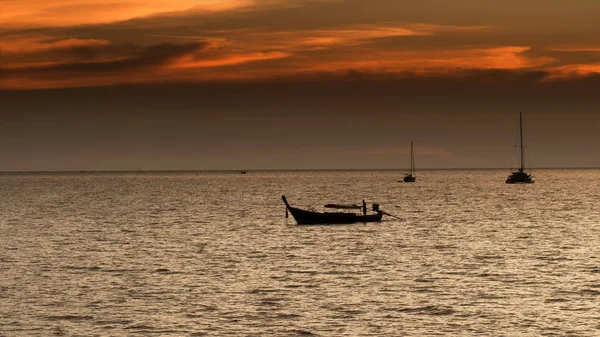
point(281, 84)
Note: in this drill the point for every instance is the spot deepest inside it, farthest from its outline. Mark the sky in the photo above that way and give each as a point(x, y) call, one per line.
point(303, 84)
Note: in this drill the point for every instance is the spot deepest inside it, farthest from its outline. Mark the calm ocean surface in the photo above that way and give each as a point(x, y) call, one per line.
point(212, 254)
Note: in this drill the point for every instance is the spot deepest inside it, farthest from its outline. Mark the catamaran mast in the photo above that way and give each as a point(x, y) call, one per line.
point(412, 160)
point(522, 146)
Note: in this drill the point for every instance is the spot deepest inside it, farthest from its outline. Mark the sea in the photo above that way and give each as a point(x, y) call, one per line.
point(213, 254)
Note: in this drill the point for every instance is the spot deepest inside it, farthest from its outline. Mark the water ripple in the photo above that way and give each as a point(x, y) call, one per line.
point(211, 254)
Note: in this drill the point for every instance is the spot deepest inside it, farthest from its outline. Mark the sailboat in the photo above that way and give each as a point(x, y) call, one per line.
point(520, 176)
point(410, 177)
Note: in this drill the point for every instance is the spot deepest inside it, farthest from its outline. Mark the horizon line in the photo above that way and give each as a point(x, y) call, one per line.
point(290, 170)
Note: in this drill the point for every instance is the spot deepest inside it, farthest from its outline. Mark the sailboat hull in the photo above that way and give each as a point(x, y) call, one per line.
point(519, 177)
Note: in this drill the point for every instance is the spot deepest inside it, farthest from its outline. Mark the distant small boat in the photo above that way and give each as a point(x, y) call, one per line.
point(411, 177)
point(520, 176)
point(304, 217)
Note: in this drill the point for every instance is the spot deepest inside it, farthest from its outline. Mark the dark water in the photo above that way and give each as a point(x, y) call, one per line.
point(211, 254)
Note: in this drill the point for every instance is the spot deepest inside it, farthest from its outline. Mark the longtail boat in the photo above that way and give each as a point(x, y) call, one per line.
point(304, 217)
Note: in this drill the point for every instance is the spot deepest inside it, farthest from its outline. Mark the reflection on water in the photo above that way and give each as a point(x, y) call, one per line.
point(211, 254)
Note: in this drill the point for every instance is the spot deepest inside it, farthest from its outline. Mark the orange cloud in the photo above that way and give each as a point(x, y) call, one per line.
point(322, 39)
point(45, 43)
point(575, 49)
point(242, 52)
point(78, 12)
point(214, 60)
point(228, 60)
point(508, 58)
point(319, 39)
point(573, 71)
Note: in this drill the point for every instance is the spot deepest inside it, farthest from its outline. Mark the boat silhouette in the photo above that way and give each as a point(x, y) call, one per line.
point(304, 217)
point(520, 176)
point(411, 177)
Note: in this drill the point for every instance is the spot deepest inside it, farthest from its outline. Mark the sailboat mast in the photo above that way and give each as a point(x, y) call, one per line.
point(412, 159)
point(522, 146)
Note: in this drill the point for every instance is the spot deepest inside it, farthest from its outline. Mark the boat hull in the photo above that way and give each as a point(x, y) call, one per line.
point(520, 178)
point(304, 217)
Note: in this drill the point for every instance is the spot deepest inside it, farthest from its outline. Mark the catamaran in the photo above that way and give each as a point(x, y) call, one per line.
point(520, 176)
